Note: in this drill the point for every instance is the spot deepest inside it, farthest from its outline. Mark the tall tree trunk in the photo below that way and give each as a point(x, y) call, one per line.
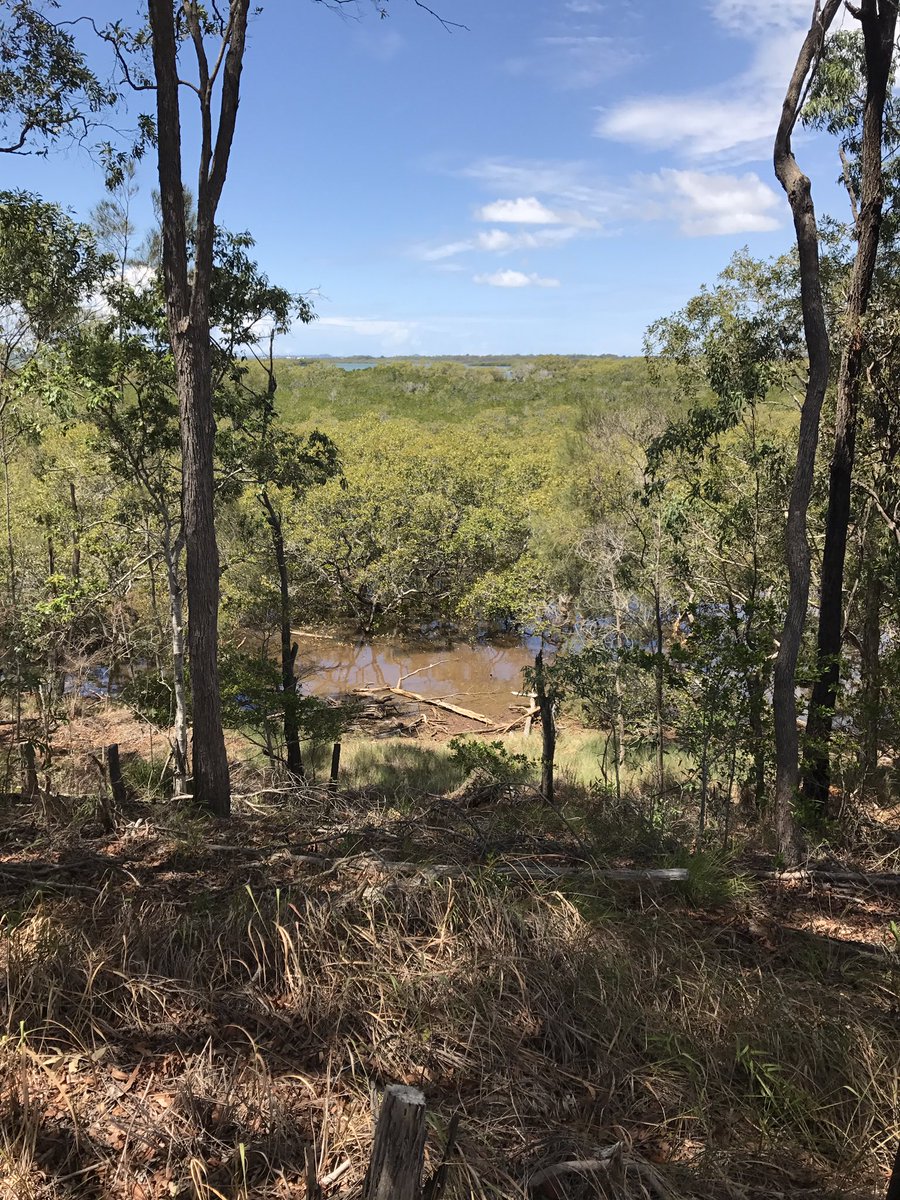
point(209, 762)
point(799, 193)
point(171, 554)
point(870, 669)
point(187, 290)
point(293, 752)
point(879, 21)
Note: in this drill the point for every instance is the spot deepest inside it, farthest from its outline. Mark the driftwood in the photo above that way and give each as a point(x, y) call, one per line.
point(434, 701)
point(527, 716)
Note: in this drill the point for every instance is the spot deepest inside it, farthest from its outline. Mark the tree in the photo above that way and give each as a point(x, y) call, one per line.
point(48, 267)
point(278, 465)
point(46, 86)
point(879, 22)
point(799, 193)
point(187, 274)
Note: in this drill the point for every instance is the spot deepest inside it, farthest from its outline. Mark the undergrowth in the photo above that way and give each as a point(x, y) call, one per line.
point(193, 1010)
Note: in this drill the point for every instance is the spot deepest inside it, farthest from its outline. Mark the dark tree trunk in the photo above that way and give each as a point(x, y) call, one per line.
point(879, 20)
point(548, 728)
point(187, 289)
point(209, 762)
point(893, 1192)
point(799, 193)
point(293, 752)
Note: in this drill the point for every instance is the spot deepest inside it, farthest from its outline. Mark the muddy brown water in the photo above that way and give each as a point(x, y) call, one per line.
point(481, 676)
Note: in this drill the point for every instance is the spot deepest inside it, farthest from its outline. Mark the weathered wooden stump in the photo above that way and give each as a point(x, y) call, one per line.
point(398, 1151)
point(114, 770)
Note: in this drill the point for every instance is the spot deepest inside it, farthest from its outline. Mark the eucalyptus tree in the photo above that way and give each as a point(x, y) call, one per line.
point(850, 100)
point(798, 189)
point(217, 38)
point(47, 88)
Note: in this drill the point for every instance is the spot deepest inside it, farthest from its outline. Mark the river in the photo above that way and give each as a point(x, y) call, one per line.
point(481, 676)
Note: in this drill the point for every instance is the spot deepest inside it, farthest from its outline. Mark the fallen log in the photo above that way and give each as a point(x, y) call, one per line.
point(515, 870)
point(826, 876)
point(434, 701)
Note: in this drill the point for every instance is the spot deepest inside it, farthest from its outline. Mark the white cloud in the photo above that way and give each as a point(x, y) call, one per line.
point(496, 240)
point(500, 241)
point(527, 210)
point(564, 182)
point(447, 250)
point(585, 7)
point(515, 279)
point(737, 119)
point(707, 204)
point(763, 16)
point(700, 126)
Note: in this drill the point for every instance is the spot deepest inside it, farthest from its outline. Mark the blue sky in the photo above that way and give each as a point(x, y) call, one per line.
point(549, 180)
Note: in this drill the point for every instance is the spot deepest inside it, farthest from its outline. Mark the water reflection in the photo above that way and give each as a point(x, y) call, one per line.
point(482, 676)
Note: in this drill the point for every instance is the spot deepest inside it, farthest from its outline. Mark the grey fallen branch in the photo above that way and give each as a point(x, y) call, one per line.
point(825, 876)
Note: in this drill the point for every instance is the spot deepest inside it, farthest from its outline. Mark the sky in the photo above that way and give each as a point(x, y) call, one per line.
point(549, 179)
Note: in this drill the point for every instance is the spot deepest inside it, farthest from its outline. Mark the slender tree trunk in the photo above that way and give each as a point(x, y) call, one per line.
point(659, 678)
point(293, 752)
point(209, 765)
point(76, 535)
point(799, 193)
point(548, 728)
point(187, 289)
point(870, 668)
point(757, 698)
point(171, 554)
point(879, 20)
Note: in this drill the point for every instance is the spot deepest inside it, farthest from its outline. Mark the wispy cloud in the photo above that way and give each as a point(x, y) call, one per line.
point(396, 333)
point(572, 48)
point(500, 241)
point(515, 279)
point(699, 126)
point(736, 120)
point(706, 204)
point(562, 182)
point(526, 210)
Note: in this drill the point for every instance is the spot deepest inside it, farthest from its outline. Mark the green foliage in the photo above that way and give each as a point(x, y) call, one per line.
point(48, 265)
point(712, 879)
point(253, 699)
point(46, 85)
point(493, 759)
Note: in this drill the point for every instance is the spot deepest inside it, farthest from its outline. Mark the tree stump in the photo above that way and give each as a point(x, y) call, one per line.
point(114, 770)
point(398, 1151)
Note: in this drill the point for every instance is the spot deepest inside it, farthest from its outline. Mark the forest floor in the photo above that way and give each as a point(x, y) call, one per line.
point(209, 1009)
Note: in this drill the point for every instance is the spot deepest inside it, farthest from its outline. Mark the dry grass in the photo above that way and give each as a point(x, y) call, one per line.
point(183, 1019)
